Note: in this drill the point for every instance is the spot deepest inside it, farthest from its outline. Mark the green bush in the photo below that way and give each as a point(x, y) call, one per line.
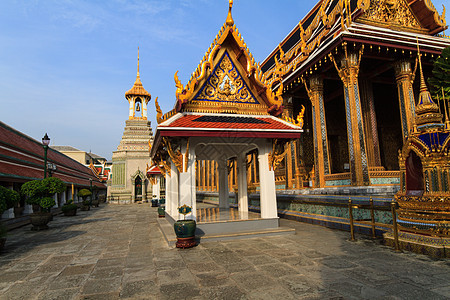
point(86, 202)
point(84, 193)
point(69, 206)
point(47, 202)
point(8, 198)
point(40, 192)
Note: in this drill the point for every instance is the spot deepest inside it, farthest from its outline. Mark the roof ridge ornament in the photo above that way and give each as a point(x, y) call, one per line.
point(230, 21)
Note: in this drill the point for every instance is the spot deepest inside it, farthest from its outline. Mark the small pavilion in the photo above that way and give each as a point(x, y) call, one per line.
point(226, 110)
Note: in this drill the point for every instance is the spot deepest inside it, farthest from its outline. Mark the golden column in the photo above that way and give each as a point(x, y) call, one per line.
point(208, 176)
point(348, 72)
point(289, 112)
point(203, 175)
point(370, 124)
point(404, 77)
point(321, 156)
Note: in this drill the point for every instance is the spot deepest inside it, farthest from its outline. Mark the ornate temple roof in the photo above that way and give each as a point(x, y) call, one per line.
point(227, 79)
point(377, 22)
point(138, 88)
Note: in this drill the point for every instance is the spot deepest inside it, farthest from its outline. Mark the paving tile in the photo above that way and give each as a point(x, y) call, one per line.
point(179, 291)
point(77, 269)
point(141, 288)
point(83, 258)
point(174, 276)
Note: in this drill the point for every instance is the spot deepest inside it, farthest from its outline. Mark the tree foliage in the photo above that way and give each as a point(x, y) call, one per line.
point(8, 198)
point(40, 192)
point(441, 75)
point(84, 193)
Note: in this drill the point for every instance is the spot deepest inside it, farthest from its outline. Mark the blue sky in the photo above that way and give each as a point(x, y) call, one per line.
point(66, 64)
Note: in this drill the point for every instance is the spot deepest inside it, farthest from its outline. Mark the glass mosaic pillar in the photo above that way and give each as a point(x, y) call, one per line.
point(288, 112)
point(370, 124)
point(321, 156)
point(404, 79)
point(355, 126)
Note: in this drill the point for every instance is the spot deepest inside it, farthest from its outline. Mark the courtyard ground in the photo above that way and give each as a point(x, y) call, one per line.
point(118, 251)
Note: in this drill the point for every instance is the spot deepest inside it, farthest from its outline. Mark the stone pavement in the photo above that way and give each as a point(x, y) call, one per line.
point(118, 252)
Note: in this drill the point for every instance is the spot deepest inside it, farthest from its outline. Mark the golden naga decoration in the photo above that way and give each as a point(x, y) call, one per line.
point(176, 156)
point(299, 120)
point(276, 156)
point(159, 113)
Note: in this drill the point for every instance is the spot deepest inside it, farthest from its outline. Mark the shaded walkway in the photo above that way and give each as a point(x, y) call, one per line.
point(118, 252)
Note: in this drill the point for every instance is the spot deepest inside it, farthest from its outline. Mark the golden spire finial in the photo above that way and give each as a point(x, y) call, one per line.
point(427, 111)
point(423, 86)
point(138, 63)
point(230, 20)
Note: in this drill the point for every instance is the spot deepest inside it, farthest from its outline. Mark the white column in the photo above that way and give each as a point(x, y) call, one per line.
point(174, 191)
point(144, 109)
point(157, 188)
point(187, 194)
point(63, 198)
point(168, 195)
point(242, 182)
point(8, 214)
point(28, 209)
point(223, 184)
point(55, 197)
point(131, 108)
point(75, 196)
point(268, 200)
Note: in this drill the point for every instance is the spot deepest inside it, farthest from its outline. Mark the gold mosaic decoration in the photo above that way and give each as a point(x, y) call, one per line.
point(226, 84)
point(390, 13)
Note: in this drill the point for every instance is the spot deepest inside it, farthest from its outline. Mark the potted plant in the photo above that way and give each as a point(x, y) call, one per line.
point(161, 211)
point(185, 229)
point(3, 232)
point(85, 205)
point(84, 193)
point(40, 193)
point(94, 199)
point(8, 199)
point(154, 201)
point(69, 209)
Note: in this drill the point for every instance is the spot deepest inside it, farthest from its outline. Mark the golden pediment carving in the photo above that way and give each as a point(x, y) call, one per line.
point(226, 85)
point(391, 13)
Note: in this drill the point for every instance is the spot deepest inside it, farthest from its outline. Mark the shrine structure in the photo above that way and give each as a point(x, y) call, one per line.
point(352, 65)
point(129, 181)
point(227, 111)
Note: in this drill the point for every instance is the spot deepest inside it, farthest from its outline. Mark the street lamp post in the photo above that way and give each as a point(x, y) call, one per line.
point(45, 142)
point(90, 186)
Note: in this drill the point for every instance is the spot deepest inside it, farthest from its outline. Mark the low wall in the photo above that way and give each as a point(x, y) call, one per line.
point(326, 210)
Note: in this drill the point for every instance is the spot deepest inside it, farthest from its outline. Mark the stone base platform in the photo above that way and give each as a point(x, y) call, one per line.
point(214, 224)
point(437, 247)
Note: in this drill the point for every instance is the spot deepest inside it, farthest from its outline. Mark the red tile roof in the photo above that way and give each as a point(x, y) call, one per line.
point(22, 159)
point(230, 122)
point(154, 170)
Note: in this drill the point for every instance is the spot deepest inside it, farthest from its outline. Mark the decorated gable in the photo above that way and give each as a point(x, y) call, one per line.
point(225, 84)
